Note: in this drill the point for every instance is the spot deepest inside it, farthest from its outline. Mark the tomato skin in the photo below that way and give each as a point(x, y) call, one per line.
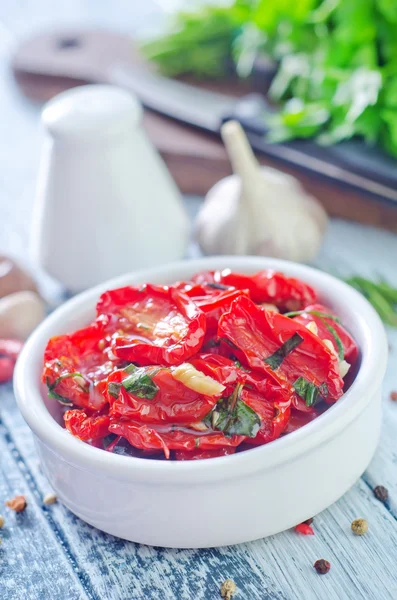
point(203, 454)
point(216, 305)
point(155, 325)
point(168, 438)
point(274, 417)
point(259, 333)
point(86, 352)
point(350, 347)
point(86, 428)
point(299, 418)
point(173, 402)
point(269, 286)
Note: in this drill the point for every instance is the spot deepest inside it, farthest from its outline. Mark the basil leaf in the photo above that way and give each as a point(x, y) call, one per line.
point(338, 341)
point(317, 313)
point(240, 366)
point(54, 395)
point(141, 384)
point(218, 286)
point(275, 360)
point(310, 393)
point(232, 416)
point(114, 388)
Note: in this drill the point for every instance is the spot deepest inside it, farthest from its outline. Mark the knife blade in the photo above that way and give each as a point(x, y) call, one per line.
point(207, 110)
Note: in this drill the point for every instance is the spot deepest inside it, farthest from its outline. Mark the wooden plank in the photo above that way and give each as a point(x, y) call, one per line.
point(29, 553)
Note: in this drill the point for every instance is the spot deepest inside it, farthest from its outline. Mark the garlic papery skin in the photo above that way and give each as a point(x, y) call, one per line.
point(258, 210)
point(20, 313)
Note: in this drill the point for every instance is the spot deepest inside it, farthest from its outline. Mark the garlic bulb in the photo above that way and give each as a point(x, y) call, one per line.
point(20, 313)
point(13, 278)
point(258, 210)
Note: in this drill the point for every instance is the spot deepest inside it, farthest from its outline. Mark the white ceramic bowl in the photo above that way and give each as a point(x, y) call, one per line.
point(218, 501)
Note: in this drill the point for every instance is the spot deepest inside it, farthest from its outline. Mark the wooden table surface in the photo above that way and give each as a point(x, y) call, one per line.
point(47, 552)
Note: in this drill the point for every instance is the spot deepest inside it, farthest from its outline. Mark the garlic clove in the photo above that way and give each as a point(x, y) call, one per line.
point(20, 313)
point(13, 278)
point(258, 210)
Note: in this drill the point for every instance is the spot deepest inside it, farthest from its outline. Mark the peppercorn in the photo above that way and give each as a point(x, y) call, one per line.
point(228, 588)
point(381, 493)
point(18, 503)
point(49, 499)
point(393, 396)
point(322, 566)
point(359, 526)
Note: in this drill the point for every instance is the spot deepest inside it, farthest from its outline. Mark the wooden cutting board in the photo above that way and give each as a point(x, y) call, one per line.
point(198, 160)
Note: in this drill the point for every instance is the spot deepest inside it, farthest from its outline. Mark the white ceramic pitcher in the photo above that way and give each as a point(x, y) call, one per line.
point(105, 203)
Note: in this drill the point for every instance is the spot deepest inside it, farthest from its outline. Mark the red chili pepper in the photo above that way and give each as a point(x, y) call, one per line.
point(304, 529)
point(75, 363)
point(168, 437)
point(84, 427)
point(203, 454)
point(6, 369)
point(310, 367)
point(287, 293)
point(325, 325)
point(9, 350)
point(167, 400)
point(156, 325)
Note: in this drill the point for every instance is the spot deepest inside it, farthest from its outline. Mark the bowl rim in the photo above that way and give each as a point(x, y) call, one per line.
point(367, 383)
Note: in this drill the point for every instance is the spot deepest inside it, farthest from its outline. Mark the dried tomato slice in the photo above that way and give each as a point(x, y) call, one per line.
point(330, 328)
point(74, 364)
point(153, 325)
point(269, 286)
point(86, 427)
point(273, 343)
point(203, 454)
point(168, 437)
point(152, 395)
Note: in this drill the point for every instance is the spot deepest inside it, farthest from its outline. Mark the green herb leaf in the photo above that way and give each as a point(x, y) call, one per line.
point(218, 286)
point(141, 384)
point(338, 341)
point(317, 313)
point(232, 416)
point(114, 388)
point(275, 360)
point(310, 393)
point(62, 399)
point(382, 296)
point(240, 366)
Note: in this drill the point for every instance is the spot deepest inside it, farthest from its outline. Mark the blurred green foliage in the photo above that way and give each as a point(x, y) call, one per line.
point(336, 61)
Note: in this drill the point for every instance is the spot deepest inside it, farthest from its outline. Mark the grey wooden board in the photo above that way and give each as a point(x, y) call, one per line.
point(47, 553)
